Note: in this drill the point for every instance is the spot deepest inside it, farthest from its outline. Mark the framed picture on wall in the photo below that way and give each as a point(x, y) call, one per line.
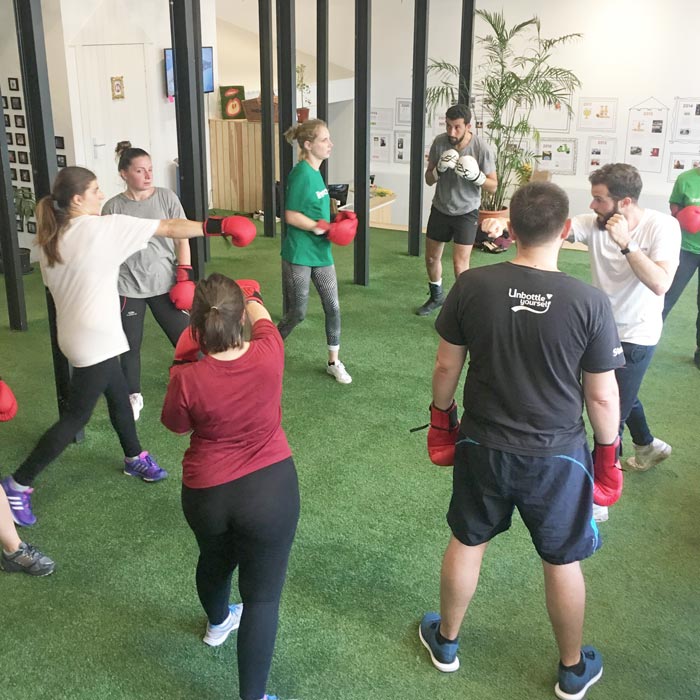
point(12, 157)
point(13, 174)
point(19, 121)
point(31, 227)
point(403, 111)
point(60, 144)
point(402, 147)
point(24, 175)
point(4, 102)
point(13, 83)
point(10, 140)
point(23, 157)
point(16, 102)
point(20, 226)
point(61, 161)
point(7, 119)
point(20, 140)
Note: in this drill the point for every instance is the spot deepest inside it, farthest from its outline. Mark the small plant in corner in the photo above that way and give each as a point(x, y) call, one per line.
point(304, 91)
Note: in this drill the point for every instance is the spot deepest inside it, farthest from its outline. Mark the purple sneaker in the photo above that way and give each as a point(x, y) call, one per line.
point(20, 503)
point(145, 467)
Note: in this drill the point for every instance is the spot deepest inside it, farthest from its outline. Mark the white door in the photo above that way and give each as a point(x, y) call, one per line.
point(113, 106)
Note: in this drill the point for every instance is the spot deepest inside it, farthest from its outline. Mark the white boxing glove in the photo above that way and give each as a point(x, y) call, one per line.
point(469, 169)
point(448, 160)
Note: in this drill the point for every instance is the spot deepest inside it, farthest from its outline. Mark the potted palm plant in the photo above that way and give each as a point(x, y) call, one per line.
point(517, 76)
point(304, 91)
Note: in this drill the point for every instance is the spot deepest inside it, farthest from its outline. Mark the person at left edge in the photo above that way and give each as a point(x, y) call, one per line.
point(147, 277)
point(80, 256)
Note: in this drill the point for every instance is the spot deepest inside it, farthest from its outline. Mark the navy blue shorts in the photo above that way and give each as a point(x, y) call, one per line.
point(460, 229)
point(554, 496)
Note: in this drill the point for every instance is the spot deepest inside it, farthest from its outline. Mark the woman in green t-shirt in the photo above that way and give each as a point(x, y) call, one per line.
point(306, 252)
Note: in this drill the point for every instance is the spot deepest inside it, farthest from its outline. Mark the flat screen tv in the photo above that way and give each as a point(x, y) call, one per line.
point(207, 70)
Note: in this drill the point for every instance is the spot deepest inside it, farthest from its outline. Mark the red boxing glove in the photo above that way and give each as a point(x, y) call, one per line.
point(239, 229)
point(442, 435)
point(342, 215)
point(342, 232)
point(607, 474)
point(187, 348)
point(322, 227)
point(689, 219)
point(182, 292)
point(251, 290)
point(8, 402)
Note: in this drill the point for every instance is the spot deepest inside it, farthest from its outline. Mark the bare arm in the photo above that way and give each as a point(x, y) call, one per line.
point(431, 174)
point(182, 252)
point(256, 312)
point(656, 275)
point(448, 368)
point(675, 208)
point(179, 228)
point(299, 220)
point(602, 398)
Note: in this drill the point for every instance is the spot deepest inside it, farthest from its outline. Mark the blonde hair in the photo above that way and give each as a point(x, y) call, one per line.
point(53, 211)
point(303, 132)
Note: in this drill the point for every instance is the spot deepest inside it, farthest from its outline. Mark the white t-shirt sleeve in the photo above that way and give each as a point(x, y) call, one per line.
point(666, 241)
point(581, 228)
point(126, 235)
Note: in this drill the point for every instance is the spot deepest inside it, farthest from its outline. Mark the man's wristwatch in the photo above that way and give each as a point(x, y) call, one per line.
point(632, 247)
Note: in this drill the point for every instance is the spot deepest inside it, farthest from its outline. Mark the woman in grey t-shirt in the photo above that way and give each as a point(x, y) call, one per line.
point(147, 277)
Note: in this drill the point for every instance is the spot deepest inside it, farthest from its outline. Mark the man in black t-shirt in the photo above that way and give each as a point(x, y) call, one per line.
point(547, 343)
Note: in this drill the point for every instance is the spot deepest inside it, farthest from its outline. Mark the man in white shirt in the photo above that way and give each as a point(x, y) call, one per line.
point(634, 255)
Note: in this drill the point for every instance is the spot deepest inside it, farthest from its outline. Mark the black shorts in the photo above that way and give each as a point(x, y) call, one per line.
point(460, 229)
point(554, 496)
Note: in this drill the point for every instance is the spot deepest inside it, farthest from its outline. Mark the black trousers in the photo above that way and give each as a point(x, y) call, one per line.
point(247, 524)
point(87, 384)
point(171, 320)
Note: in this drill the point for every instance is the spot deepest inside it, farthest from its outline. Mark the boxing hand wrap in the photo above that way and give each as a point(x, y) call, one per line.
point(448, 160)
point(607, 474)
point(8, 403)
point(186, 349)
point(469, 169)
point(251, 290)
point(322, 227)
point(239, 229)
point(182, 292)
point(689, 219)
point(343, 229)
point(442, 435)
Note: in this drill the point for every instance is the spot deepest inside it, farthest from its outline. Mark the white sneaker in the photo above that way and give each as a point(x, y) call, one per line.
point(216, 635)
point(337, 370)
point(648, 456)
point(136, 404)
point(600, 513)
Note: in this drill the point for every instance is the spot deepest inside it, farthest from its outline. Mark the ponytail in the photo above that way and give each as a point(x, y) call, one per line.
point(303, 132)
point(216, 315)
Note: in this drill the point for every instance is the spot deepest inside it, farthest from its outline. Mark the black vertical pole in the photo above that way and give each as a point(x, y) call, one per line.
point(322, 68)
point(466, 50)
point(185, 29)
point(268, 122)
point(420, 61)
point(286, 81)
point(32, 53)
point(363, 51)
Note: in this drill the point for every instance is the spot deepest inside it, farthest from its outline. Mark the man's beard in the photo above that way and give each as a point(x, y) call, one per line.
point(454, 140)
point(603, 220)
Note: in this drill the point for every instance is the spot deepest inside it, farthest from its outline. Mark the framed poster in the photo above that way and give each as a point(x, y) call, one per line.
point(557, 155)
point(380, 147)
point(686, 121)
point(24, 175)
point(381, 118)
point(232, 97)
point(117, 82)
point(23, 157)
point(601, 151)
point(16, 102)
point(402, 147)
point(60, 143)
point(61, 161)
point(12, 156)
point(403, 111)
point(647, 126)
point(13, 84)
point(680, 162)
point(19, 121)
point(597, 113)
point(555, 117)
point(31, 227)
point(20, 140)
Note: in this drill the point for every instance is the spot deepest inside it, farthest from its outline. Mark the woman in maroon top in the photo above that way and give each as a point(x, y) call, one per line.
point(240, 493)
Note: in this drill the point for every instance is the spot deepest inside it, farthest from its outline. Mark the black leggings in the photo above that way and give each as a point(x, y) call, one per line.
point(247, 523)
point(87, 384)
point(171, 320)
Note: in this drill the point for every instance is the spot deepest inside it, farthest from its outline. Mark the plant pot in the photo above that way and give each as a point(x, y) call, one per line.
point(302, 114)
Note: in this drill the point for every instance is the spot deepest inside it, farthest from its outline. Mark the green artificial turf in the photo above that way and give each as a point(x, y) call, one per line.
point(120, 617)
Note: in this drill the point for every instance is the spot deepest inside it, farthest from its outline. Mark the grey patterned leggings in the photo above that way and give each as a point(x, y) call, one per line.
point(295, 282)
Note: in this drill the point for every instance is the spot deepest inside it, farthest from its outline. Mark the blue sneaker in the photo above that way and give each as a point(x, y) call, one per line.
point(443, 656)
point(20, 503)
point(216, 635)
point(145, 467)
point(573, 687)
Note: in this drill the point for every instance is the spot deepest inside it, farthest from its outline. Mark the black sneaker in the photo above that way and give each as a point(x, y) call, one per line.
point(435, 302)
point(29, 560)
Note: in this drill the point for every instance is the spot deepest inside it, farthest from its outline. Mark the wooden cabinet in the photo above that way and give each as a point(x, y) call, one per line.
point(236, 164)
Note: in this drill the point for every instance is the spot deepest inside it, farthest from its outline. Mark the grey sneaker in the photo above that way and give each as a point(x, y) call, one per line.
point(648, 456)
point(29, 560)
point(216, 635)
point(337, 370)
point(437, 298)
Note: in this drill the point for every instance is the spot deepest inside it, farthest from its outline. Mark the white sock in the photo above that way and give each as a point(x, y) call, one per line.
point(18, 487)
point(438, 283)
